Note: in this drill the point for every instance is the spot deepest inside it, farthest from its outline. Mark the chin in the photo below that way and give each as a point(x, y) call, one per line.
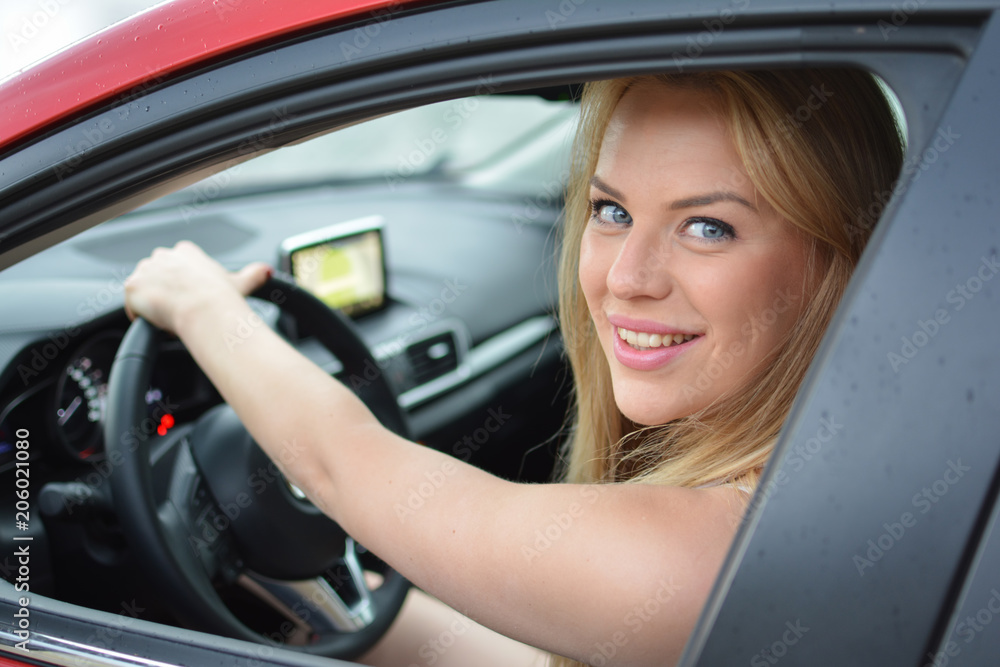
point(645, 418)
point(652, 413)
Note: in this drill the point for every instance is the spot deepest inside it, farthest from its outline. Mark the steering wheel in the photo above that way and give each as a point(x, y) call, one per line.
point(223, 514)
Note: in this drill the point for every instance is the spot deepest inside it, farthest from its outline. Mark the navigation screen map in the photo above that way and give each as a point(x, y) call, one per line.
point(345, 273)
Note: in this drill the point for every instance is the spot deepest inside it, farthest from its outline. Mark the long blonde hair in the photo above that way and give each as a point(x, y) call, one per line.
point(821, 146)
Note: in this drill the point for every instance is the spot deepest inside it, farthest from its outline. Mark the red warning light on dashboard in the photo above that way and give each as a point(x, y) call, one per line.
point(166, 422)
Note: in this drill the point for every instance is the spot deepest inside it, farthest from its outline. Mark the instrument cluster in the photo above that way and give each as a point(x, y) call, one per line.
point(74, 399)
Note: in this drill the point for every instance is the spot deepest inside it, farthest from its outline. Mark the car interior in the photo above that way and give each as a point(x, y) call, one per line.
point(432, 224)
point(433, 229)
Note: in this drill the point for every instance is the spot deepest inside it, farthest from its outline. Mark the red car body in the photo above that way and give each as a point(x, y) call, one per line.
point(156, 45)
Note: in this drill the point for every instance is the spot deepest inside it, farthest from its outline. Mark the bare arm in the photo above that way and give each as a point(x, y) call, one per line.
point(572, 569)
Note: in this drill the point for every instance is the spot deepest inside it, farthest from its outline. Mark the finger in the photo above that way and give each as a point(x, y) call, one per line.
point(129, 287)
point(251, 276)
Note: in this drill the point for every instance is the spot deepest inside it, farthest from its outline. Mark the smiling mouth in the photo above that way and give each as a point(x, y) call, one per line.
point(641, 341)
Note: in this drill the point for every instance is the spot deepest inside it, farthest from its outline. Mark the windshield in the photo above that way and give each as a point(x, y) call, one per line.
point(449, 137)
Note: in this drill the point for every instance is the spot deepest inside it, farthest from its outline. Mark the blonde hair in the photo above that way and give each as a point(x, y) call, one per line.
point(821, 146)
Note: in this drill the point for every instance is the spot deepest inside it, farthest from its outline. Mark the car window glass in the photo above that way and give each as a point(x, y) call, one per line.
point(452, 136)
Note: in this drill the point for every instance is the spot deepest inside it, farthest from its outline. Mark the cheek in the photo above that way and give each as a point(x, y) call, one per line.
point(772, 310)
point(716, 292)
point(751, 304)
point(593, 274)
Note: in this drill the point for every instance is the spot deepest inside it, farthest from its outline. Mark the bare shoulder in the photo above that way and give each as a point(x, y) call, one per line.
point(574, 569)
point(650, 555)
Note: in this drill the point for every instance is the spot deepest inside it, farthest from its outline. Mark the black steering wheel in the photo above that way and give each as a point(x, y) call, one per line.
point(220, 515)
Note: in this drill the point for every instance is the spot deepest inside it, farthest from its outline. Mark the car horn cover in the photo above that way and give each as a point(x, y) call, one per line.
point(279, 535)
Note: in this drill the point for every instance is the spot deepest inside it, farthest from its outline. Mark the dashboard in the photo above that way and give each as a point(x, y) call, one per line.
point(466, 314)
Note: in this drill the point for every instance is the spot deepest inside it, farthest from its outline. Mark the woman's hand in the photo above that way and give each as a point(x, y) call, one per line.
point(179, 280)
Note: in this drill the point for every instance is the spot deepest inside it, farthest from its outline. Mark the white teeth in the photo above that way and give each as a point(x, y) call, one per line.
point(647, 341)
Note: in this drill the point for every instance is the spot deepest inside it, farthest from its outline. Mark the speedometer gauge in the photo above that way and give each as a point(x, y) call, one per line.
point(81, 394)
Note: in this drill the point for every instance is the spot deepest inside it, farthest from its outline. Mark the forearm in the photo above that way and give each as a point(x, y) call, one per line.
point(292, 408)
point(414, 506)
point(316, 430)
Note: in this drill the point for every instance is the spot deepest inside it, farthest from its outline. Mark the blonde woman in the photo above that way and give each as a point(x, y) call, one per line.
point(709, 234)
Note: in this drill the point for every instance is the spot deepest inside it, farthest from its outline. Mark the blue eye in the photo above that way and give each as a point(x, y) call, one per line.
point(610, 213)
point(710, 229)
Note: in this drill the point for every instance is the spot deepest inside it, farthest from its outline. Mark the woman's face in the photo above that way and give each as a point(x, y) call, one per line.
point(691, 278)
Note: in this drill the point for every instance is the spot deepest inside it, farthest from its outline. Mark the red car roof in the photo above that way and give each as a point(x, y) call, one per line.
point(158, 42)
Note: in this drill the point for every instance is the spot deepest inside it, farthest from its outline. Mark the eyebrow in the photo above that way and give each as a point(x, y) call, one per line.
point(688, 202)
point(601, 185)
point(712, 198)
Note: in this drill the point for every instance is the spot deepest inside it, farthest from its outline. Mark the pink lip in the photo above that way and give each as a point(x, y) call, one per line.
point(645, 360)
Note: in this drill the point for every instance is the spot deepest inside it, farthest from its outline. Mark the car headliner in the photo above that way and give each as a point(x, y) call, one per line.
point(158, 43)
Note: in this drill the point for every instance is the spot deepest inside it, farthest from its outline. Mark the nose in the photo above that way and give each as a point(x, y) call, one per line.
point(642, 268)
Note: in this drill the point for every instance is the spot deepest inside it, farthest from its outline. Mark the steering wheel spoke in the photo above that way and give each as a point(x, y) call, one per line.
point(337, 601)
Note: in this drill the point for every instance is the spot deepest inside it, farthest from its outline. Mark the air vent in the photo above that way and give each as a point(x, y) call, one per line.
point(432, 357)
